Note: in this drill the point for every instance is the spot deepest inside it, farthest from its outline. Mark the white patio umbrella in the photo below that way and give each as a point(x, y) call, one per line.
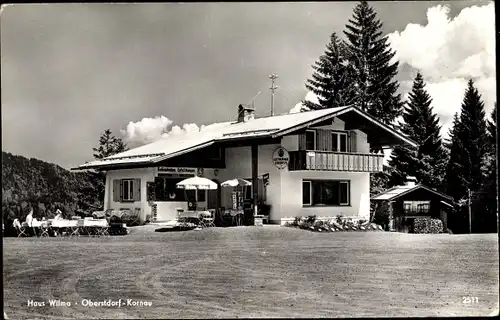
point(236, 182)
point(197, 183)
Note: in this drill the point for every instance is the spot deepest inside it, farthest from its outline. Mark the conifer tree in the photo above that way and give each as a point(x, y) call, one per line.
point(427, 163)
point(109, 145)
point(468, 150)
point(486, 206)
point(331, 78)
point(370, 56)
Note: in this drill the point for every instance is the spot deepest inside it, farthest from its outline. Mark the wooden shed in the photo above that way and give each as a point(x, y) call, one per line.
point(412, 201)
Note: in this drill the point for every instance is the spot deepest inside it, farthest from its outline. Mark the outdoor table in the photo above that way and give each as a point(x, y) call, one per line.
point(192, 215)
point(65, 225)
point(98, 227)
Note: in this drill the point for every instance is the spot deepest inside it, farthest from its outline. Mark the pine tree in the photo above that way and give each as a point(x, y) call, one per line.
point(331, 78)
point(109, 145)
point(421, 124)
point(468, 150)
point(370, 55)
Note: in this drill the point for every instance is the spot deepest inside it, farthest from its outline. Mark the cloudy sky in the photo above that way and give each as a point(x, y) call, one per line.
point(69, 71)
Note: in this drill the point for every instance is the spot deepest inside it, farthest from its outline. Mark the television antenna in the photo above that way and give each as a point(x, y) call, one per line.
point(253, 100)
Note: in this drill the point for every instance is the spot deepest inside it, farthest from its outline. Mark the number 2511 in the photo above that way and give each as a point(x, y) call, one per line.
point(470, 300)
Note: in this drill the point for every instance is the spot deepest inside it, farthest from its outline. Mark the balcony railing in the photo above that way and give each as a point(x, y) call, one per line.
point(335, 161)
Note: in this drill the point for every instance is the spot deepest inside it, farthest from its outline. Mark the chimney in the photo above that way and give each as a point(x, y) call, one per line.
point(411, 181)
point(245, 113)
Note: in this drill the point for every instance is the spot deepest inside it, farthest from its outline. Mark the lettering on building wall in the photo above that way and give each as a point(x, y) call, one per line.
point(281, 158)
point(177, 170)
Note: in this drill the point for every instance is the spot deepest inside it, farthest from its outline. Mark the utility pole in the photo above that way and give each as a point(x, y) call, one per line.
point(273, 77)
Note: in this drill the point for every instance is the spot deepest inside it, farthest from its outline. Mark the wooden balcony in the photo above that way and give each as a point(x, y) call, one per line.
point(335, 161)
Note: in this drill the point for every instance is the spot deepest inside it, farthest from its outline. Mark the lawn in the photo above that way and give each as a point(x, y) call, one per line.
point(253, 272)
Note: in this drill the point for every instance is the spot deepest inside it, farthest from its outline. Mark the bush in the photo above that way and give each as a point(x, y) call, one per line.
point(426, 225)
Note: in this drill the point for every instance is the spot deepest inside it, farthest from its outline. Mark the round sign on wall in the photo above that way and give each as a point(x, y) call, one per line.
point(281, 158)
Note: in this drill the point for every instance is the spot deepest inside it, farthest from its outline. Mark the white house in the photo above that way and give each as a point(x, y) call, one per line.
point(308, 163)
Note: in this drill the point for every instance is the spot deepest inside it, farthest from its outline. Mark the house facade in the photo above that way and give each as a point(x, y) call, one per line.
point(309, 163)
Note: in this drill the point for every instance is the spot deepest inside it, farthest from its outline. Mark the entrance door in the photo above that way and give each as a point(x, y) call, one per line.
point(213, 197)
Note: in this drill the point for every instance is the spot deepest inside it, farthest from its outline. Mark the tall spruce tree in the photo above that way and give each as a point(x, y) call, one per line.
point(420, 123)
point(331, 78)
point(469, 146)
point(486, 206)
point(370, 56)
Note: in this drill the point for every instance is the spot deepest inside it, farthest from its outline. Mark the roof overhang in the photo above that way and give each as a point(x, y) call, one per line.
point(124, 162)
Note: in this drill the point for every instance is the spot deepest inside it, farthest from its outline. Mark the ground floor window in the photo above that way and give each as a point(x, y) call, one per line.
point(126, 190)
point(416, 206)
point(166, 190)
point(326, 192)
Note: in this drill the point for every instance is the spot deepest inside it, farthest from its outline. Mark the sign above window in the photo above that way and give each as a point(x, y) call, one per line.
point(281, 158)
point(177, 170)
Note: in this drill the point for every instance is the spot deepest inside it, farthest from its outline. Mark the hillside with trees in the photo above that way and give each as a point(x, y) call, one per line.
point(45, 187)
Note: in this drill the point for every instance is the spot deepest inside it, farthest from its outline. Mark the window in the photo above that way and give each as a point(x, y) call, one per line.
point(325, 192)
point(310, 140)
point(339, 141)
point(128, 190)
point(416, 206)
point(306, 193)
point(166, 190)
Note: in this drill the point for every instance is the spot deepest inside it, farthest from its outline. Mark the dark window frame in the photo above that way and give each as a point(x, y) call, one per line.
point(320, 183)
point(315, 135)
point(130, 189)
point(338, 134)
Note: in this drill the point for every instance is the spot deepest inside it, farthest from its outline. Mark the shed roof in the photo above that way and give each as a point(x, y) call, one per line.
point(399, 191)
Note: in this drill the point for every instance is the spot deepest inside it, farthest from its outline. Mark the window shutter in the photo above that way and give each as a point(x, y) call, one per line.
point(116, 190)
point(121, 190)
point(302, 141)
point(321, 139)
point(353, 140)
point(137, 189)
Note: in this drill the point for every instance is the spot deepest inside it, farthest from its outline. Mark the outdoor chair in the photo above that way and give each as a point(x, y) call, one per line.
point(201, 221)
point(75, 231)
point(135, 217)
point(209, 220)
point(21, 230)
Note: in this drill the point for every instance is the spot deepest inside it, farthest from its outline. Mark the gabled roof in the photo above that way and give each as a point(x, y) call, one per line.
point(266, 127)
point(398, 191)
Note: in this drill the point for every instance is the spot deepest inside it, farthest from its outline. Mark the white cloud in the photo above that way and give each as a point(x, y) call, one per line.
point(448, 52)
point(149, 130)
point(310, 96)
